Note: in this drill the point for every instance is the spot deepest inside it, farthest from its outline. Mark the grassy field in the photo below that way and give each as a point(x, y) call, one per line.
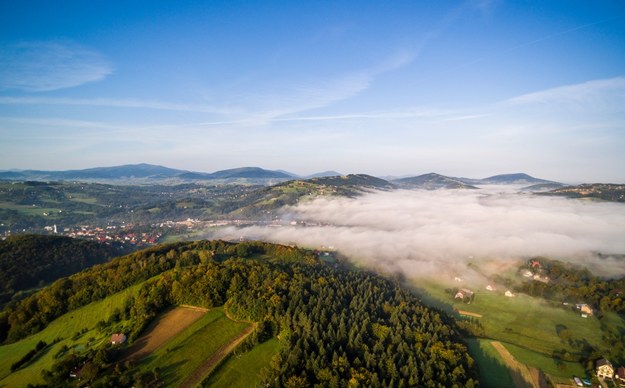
point(65, 327)
point(561, 371)
point(179, 357)
point(531, 329)
point(524, 320)
point(31, 210)
point(244, 370)
point(492, 369)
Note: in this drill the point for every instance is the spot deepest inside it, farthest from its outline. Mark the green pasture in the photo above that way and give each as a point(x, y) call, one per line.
point(178, 358)
point(243, 370)
point(531, 322)
point(562, 371)
point(30, 210)
point(63, 328)
point(492, 369)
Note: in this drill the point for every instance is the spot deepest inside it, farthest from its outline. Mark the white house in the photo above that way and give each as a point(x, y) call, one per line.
point(604, 369)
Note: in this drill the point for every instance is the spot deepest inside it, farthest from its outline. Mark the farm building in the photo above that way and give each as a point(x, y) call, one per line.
point(585, 309)
point(490, 288)
point(509, 294)
point(604, 369)
point(463, 293)
point(118, 338)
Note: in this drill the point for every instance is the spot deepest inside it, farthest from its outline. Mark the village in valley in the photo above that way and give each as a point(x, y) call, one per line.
point(480, 303)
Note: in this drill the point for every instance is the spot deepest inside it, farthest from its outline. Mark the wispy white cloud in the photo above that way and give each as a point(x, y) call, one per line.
point(50, 65)
point(315, 93)
point(596, 94)
point(119, 103)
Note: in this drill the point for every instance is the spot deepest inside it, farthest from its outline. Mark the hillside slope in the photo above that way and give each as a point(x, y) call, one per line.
point(28, 261)
point(335, 325)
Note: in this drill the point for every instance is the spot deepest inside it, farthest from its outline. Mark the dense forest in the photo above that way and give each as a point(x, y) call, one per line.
point(338, 326)
point(28, 261)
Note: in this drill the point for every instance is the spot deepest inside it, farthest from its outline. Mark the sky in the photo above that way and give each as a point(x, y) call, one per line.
point(462, 88)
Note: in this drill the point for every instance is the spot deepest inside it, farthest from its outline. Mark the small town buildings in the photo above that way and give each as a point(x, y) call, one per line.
point(527, 273)
point(118, 338)
point(604, 369)
point(544, 279)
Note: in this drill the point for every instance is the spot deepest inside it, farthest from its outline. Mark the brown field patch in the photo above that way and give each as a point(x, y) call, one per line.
point(164, 328)
point(469, 314)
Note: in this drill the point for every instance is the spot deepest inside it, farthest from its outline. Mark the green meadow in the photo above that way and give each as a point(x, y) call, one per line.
point(74, 329)
point(182, 355)
point(243, 370)
point(532, 328)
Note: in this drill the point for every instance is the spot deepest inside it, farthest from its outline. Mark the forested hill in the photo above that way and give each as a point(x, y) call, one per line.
point(335, 325)
point(28, 261)
point(603, 191)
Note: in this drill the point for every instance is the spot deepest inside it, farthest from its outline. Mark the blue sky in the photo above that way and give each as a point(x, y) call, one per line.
point(472, 88)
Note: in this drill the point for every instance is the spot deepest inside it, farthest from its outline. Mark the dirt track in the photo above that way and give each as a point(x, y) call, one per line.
point(203, 370)
point(163, 329)
point(469, 314)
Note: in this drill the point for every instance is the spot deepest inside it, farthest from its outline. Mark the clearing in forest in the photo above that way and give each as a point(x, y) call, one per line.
point(164, 328)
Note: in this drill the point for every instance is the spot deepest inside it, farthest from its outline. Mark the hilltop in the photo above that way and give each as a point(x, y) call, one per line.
point(432, 181)
point(506, 179)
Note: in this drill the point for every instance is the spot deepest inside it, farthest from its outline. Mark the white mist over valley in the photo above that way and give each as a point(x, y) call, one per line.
point(425, 233)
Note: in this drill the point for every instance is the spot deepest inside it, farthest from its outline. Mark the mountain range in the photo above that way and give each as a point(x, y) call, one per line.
point(154, 172)
point(145, 171)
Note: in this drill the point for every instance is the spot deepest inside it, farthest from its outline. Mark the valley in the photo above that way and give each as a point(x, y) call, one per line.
point(243, 328)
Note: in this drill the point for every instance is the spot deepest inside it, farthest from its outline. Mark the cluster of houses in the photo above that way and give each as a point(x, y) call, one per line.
point(465, 294)
point(535, 272)
point(605, 370)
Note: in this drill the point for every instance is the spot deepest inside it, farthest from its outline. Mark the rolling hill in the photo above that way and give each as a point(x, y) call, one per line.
point(287, 295)
point(28, 261)
point(506, 179)
point(432, 181)
point(267, 201)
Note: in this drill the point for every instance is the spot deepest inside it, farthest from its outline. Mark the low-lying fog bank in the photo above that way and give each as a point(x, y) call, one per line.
point(424, 233)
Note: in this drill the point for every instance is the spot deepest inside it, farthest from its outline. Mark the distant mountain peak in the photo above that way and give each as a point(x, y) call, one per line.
point(515, 178)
